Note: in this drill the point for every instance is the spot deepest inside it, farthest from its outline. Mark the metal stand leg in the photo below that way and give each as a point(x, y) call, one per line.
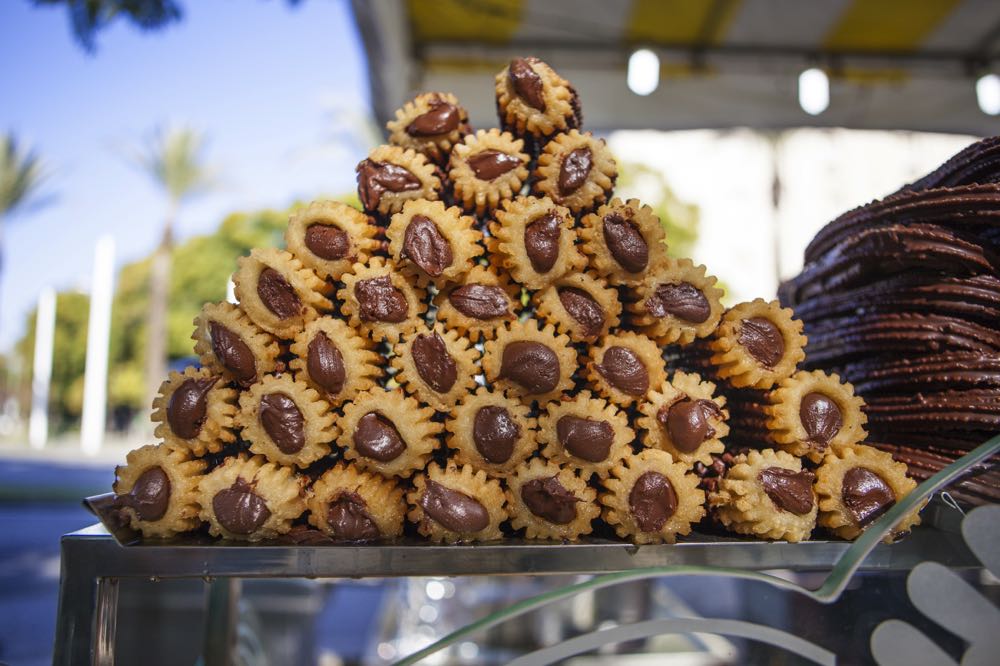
point(220, 626)
point(106, 621)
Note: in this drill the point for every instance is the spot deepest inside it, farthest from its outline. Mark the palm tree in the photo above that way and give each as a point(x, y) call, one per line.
point(173, 159)
point(22, 173)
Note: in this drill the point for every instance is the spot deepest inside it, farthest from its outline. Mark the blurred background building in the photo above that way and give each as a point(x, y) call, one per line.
point(147, 144)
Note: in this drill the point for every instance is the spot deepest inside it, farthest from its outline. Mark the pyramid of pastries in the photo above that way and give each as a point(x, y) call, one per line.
point(482, 351)
point(902, 298)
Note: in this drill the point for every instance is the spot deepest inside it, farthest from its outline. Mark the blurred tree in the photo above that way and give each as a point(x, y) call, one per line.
point(87, 17)
point(22, 173)
point(173, 159)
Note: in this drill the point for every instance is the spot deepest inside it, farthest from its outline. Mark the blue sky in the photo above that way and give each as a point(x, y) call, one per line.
point(280, 92)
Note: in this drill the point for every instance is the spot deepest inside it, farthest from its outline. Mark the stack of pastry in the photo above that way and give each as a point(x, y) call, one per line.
point(902, 298)
point(479, 352)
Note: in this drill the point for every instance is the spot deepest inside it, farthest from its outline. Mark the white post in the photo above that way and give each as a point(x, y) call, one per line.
point(41, 375)
point(95, 378)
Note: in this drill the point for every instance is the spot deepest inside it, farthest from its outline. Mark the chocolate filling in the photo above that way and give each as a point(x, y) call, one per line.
point(233, 353)
point(789, 490)
point(652, 501)
point(625, 243)
point(574, 170)
point(424, 245)
point(541, 241)
point(188, 406)
point(150, 495)
point(623, 369)
point(526, 82)
point(585, 438)
point(349, 519)
point(442, 117)
point(865, 495)
point(531, 365)
point(548, 499)
point(283, 422)
point(490, 164)
point(327, 242)
point(239, 509)
point(326, 364)
point(480, 301)
point(683, 300)
point(582, 307)
point(821, 418)
point(495, 433)
point(453, 510)
point(763, 340)
point(434, 364)
point(277, 295)
point(687, 422)
point(376, 437)
point(377, 178)
point(380, 300)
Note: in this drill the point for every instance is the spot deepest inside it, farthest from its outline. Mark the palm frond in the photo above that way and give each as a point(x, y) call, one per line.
point(22, 172)
point(174, 159)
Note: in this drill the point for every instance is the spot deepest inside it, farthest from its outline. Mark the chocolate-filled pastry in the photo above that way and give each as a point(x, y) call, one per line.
point(585, 432)
point(757, 344)
point(549, 501)
point(652, 499)
point(488, 167)
point(624, 241)
point(686, 417)
point(533, 100)
point(277, 292)
point(534, 240)
point(332, 358)
point(431, 123)
point(677, 303)
point(436, 366)
point(580, 305)
point(625, 367)
point(533, 364)
point(249, 499)
point(329, 237)
point(286, 421)
point(379, 302)
point(390, 176)
point(457, 504)
point(856, 484)
point(388, 432)
point(229, 344)
point(433, 244)
point(195, 410)
point(766, 494)
point(810, 412)
point(491, 431)
point(478, 305)
point(157, 489)
point(351, 505)
point(575, 170)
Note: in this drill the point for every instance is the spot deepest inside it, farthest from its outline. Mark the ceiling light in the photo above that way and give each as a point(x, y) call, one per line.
point(814, 91)
point(643, 72)
point(988, 93)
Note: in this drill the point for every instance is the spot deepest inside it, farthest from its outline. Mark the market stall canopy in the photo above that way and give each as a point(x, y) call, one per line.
point(891, 64)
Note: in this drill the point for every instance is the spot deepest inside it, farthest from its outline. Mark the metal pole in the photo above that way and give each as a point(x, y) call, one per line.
point(95, 381)
point(41, 375)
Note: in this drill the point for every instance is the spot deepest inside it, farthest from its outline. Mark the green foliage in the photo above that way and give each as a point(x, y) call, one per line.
point(87, 17)
point(21, 174)
point(679, 219)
